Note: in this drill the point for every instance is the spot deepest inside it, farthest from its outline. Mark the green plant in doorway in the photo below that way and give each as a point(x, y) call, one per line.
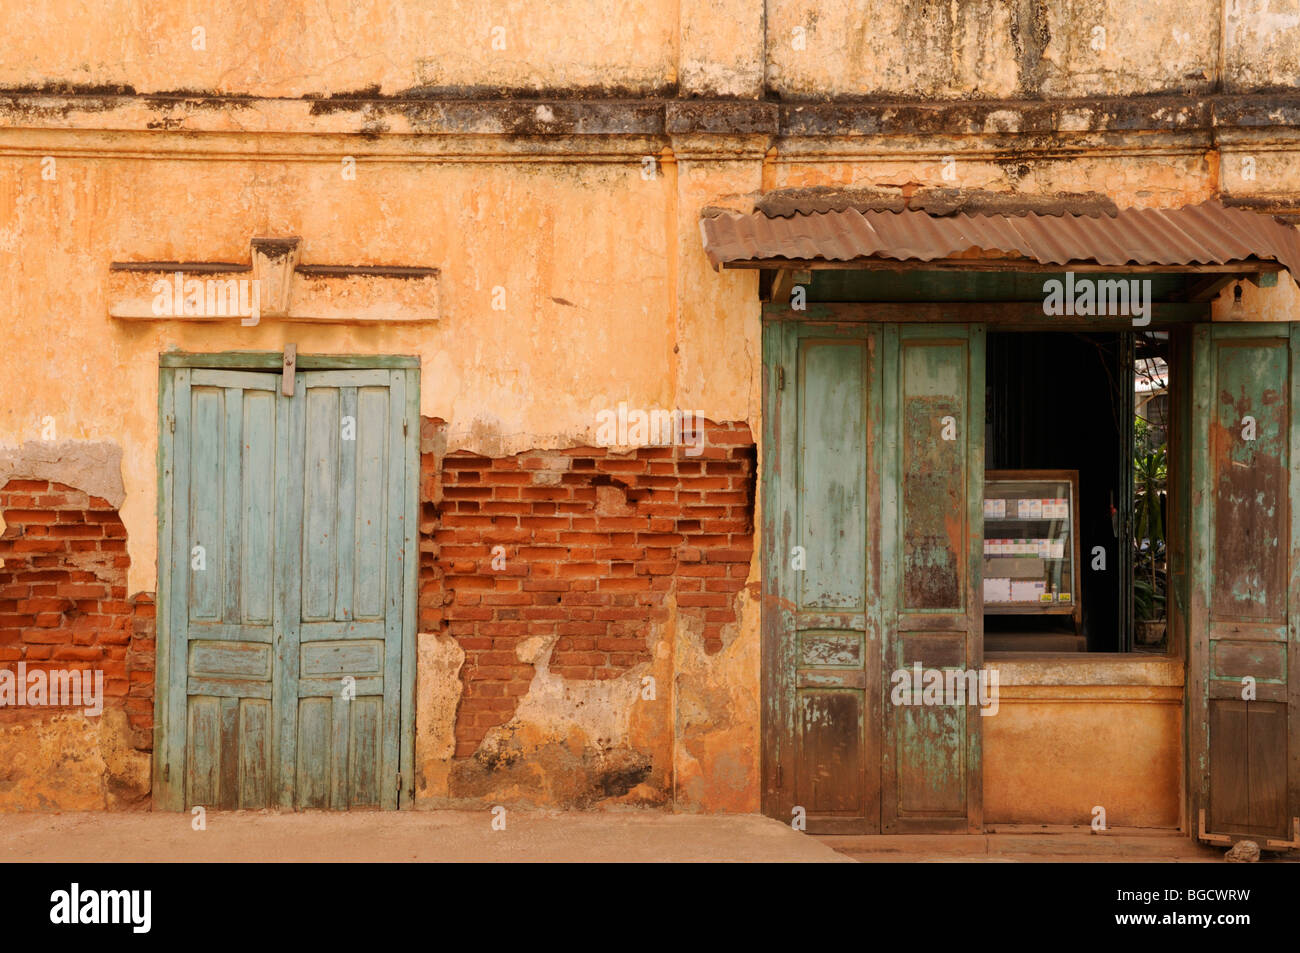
point(1150, 480)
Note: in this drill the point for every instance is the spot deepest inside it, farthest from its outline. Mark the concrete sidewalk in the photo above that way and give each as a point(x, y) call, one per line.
point(635, 836)
point(1046, 845)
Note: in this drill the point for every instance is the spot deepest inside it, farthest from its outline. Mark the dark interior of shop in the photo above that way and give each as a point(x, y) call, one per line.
point(1064, 401)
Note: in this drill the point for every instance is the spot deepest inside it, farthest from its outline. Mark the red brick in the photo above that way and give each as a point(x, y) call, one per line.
point(47, 636)
point(634, 584)
point(79, 652)
point(16, 517)
point(26, 486)
point(23, 545)
point(621, 465)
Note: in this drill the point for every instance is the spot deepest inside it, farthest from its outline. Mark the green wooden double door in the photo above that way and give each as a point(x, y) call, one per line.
point(286, 588)
point(873, 488)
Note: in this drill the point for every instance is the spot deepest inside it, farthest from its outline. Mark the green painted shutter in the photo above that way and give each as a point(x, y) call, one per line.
point(931, 540)
point(219, 626)
point(1245, 618)
point(345, 491)
point(821, 642)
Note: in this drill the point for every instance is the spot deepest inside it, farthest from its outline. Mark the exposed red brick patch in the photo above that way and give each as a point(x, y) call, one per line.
point(593, 543)
point(63, 602)
point(140, 659)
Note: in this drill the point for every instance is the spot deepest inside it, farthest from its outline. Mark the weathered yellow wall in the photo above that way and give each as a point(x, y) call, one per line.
point(906, 48)
point(608, 294)
point(606, 300)
point(1051, 757)
point(67, 761)
point(301, 50)
point(595, 235)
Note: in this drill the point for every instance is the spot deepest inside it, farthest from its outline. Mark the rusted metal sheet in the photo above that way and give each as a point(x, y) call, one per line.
point(828, 198)
point(1205, 234)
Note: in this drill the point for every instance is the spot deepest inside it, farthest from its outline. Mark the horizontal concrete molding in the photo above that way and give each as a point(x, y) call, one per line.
point(1104, 671)
point(594, 125)
point(274, 287)
point(365, 295)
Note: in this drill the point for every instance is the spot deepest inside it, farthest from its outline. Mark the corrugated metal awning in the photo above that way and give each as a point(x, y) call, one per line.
point(1205, 234)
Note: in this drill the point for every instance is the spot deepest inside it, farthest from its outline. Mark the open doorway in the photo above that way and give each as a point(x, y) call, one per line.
point(1077, 427)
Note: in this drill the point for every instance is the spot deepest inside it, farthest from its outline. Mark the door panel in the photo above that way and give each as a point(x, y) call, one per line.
point(221, 619)
point(283, 585)
point(830, 770)
point(821, 645)
point(931, 521)
point(1244, 616)
point(349, 489)
point(932, 385)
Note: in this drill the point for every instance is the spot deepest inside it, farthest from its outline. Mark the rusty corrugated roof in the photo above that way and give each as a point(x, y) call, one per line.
point(1203, 234)
point(782, 203)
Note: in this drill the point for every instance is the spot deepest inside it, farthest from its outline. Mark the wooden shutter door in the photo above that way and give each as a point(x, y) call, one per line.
point(931, 532)
point(342, 653)
point(1245, 776)
point(223, 430)
point(821, 645)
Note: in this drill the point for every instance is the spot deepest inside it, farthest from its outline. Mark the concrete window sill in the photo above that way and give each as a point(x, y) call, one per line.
point(1100, 669)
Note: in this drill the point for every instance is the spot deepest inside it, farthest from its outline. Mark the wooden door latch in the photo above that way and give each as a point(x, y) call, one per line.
point(287, 369)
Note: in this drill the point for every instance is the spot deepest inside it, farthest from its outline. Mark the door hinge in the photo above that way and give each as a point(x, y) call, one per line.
point(167, 772)
point(403, 426)
point(399, 788)
point(780, 777)
point(171, 424)
point(780, 378)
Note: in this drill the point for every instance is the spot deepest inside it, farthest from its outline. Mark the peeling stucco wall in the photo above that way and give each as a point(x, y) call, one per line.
point(569, 742)
point(437, 694)
point(555, 176)
point(65, 619)
point(95, 467)
point(593, 603)
point(717, 715)
point(914, 48)
point(71, 762)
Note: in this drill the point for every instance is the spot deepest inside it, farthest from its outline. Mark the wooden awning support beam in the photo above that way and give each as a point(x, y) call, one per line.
point(786, 279)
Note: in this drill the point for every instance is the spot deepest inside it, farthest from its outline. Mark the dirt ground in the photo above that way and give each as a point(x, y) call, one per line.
point(631, 836)
point(407, 836)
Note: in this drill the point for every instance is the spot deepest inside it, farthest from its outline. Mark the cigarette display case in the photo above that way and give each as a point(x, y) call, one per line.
point(1031, 543)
